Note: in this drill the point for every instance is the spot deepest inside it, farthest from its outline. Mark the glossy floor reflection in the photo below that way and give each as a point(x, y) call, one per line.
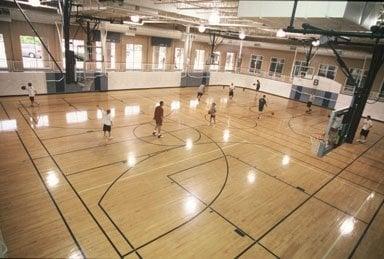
point(244, 187)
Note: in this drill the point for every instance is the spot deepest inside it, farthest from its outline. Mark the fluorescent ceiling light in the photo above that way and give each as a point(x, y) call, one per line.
point(201, 28)
point(280, 33)
point(135, 18)
point(241, 35)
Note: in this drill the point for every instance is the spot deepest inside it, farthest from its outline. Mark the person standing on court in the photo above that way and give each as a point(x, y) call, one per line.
point(31, 93)
point(212, 112)
point(367, 124)
point(257, 85)
point(262, 103)
point(106, 119)
point(231, 89)
point(158, 117)
point(311, 98)
point(200, 91)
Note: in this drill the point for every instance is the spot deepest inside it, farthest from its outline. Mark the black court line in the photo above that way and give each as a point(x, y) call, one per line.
point(272, 176)
point(210, 207)
point(343, 211)
point(268, 250)
point(301, 204)
point(71, 105)
point(362, 186)
point(47, 189)
point(365, 231)
point(200, 212)
point(73, 189)
point(364, 177)
point(117, 162)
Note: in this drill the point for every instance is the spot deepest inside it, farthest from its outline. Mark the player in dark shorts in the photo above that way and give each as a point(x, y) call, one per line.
point(158, 117)
point(257, 86)
point(309, 103)
point(262, 103)
point(231, 89)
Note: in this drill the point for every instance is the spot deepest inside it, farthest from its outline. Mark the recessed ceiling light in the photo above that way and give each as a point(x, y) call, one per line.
point(135, 18)
point(201, 28)
point(241, 35)
point(315, 43)
point(280, 33)
point(34, 2)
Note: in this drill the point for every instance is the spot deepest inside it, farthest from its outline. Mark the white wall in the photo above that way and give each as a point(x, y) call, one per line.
point(138, 79)
point(325, 84)
point(267, 85)
point(10, 82)
point(374, 109)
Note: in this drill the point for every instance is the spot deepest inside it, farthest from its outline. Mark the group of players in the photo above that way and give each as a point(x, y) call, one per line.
point(159, 111)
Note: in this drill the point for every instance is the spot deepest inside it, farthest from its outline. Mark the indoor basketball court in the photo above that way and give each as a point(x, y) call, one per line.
point(266, 146)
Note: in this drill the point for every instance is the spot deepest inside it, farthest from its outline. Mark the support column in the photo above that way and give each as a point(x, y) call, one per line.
point(103, 38)
point(238, 67)
point(187, 49)
point(362, 93)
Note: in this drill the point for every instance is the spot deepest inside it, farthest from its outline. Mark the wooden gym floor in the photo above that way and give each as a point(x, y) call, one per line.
point(246, 187)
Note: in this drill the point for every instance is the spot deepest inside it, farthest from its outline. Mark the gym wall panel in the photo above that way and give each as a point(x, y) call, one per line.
point(137, 79)
point(267, 85)
point(372, 108)
point(10, 82)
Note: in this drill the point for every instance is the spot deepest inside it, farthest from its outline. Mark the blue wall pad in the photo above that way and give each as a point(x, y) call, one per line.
point(194, 79)
point(322, 98)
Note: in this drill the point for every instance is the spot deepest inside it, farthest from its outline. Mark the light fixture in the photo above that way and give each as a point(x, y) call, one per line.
point(201, 28)
point(241, 35)
point(280, 33)
point(34, 3)
point(135, 18)
point(214, 18)
point(316, 43)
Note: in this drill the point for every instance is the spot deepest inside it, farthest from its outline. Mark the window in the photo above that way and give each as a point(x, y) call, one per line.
point(77, 46)
point(159, 57)
point(215, 61)
point(229, 61)
point(113, 56)
point(99, 55)
point(179, 58)
point(359, 75)
point(134, 53)
point(328, 71)
point(31, 51)
point(3, 57)
point(199, 60)
point(255, 65)
point(300, 68)
point(276, 67)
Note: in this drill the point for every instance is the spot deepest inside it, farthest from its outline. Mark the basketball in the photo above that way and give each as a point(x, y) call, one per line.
point(23, 87)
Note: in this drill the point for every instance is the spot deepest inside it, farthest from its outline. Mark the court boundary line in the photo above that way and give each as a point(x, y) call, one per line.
point(74, 190)
point(300, 205)
point(47, 189)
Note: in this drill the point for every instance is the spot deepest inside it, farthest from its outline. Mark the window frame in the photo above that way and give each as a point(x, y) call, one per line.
point(327, 70)
point(256, 70)
point(274, 73)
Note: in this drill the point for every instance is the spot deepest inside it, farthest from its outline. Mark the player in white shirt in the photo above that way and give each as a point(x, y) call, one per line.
point(367, 124)
point(106, 119)
point(31, 93)
point(200, 91)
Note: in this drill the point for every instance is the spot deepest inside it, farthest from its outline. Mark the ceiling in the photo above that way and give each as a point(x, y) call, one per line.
point(232, 17)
